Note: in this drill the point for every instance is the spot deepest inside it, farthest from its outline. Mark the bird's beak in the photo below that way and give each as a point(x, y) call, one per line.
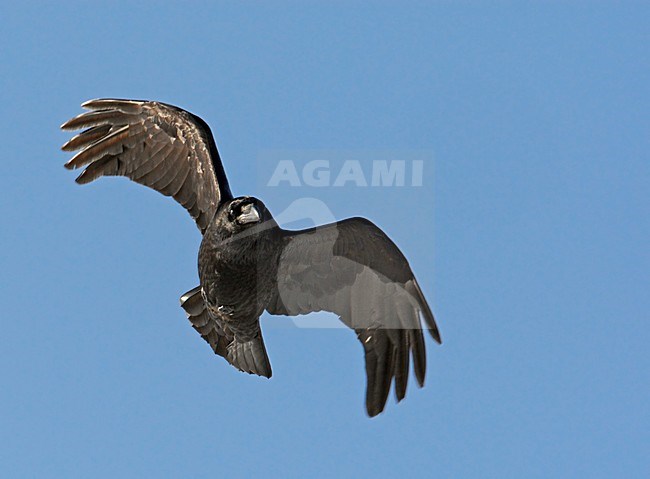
point(249, 215)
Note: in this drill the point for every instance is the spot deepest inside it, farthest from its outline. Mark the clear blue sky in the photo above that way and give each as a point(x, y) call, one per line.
point(529, 235)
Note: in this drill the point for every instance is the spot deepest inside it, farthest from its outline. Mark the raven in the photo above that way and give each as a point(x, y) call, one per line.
point(247, 263)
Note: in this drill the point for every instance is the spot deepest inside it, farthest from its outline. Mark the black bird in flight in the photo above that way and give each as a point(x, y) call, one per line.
point(247, 263)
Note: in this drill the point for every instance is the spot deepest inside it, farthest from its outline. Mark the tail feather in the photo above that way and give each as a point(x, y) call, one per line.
point(197, 313)
point(250, 357)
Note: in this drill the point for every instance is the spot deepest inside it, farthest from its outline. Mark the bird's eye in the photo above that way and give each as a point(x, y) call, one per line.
point(231, 214)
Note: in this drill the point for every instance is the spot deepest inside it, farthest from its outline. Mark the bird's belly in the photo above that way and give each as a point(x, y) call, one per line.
point(234, 299)
point(236, 286)
point(232, 294)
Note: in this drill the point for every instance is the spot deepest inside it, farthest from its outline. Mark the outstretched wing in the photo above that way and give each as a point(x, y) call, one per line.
point(353, 269)
point(154, 144)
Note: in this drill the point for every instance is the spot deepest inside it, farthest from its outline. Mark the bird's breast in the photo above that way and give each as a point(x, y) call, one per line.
point(233, 288)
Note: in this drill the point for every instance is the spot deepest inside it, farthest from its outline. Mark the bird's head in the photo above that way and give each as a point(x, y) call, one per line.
point(243, 215)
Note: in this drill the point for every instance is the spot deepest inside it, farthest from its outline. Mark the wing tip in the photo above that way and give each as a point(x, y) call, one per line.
point(73, 163)
point(123, 105)
point(424, 310)
point(87, 104)
point(65, 126)
point(374, 410)
point(435, 334)
point(83, 179)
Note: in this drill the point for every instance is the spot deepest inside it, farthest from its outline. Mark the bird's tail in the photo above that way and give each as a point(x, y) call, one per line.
point(250, 356)
point(194, 306)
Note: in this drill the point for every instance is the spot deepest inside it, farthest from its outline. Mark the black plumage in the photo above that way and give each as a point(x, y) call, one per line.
point(247, 263)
